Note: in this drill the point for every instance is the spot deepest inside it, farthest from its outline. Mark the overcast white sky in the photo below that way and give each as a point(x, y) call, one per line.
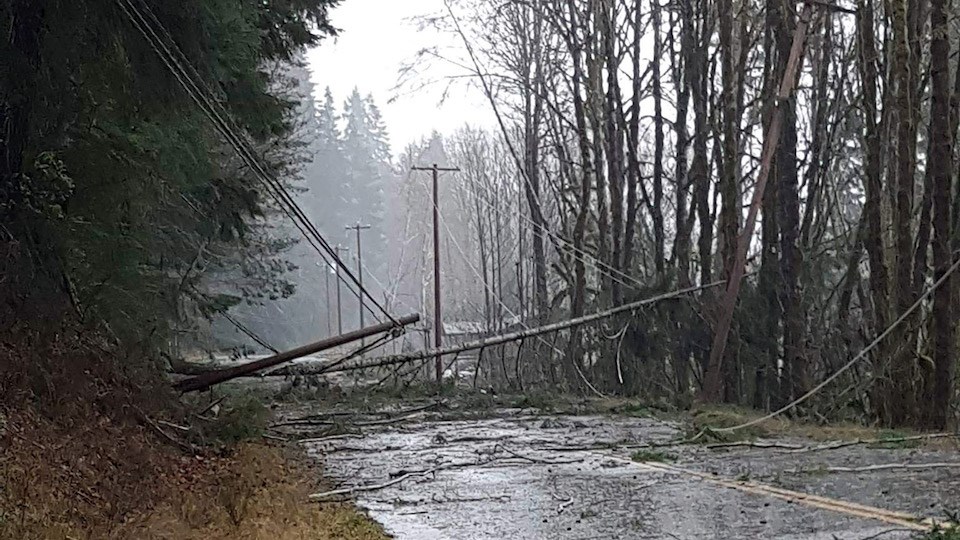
point(376, 39)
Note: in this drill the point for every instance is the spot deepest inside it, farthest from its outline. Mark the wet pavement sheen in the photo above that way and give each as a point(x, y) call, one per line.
point(518, 476)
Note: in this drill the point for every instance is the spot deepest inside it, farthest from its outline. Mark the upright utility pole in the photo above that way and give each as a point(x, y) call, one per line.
point(358, 227)
point(339, 248)
point(326, 280)
point(436, 260)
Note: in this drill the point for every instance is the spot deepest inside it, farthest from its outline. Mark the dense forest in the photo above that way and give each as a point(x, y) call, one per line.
point(629, 143)
point(126, 215)
point(632, 138)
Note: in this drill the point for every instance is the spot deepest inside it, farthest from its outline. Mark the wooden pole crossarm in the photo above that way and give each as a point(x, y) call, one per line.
point(437, 314)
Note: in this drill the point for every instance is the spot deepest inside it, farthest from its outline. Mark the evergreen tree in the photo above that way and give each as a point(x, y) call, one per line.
point(366, 152)
point(119, 202)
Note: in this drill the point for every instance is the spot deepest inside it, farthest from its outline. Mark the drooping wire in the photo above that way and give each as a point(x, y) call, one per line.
point(493, 294)
point(585, 257)
point(250, 334)
point(284, 201)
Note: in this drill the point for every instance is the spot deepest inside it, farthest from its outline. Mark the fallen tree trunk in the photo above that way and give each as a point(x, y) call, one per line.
point(206, 380)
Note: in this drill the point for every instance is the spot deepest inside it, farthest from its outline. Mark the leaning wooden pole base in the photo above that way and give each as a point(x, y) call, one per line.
point(206, 380)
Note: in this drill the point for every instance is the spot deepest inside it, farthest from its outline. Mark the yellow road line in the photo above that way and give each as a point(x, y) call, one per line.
point(815, 501)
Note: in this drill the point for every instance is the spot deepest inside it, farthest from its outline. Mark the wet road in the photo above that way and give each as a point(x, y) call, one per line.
point(520, 476)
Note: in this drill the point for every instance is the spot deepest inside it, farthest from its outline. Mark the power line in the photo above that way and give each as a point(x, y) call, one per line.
point(249, 333)
point(240, 144)
point(277, 191)
point(860, 356)
point(584, 256)
point(483, 280)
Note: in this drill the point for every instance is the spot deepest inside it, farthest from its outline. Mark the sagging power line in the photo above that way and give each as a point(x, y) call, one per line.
point(173, 58)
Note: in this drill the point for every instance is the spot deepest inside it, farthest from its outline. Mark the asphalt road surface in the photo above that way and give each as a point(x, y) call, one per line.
point(518, 476)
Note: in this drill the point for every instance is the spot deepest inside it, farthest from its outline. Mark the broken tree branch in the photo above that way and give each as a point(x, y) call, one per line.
point(890, 440)
point(880, 467)
point(374, 487)
point(754, 444)
point(513, 453)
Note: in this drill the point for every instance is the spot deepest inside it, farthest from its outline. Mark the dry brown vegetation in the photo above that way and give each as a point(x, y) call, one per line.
point(80, 459)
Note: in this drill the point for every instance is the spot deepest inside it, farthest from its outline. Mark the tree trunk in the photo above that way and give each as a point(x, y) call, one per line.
point(794, 381)
point(940, 164)
point(873, 187)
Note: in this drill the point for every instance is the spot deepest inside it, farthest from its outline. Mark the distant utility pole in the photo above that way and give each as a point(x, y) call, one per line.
point(358, 227)
point(436, 260)
point(339, 248)
point(326, 280)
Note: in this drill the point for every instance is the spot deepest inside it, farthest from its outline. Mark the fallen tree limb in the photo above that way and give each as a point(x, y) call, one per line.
point(210, 407)
point(299, 423)
point(171, 425)
point(886, 532)
point(874, 468)
point(533, 459)
point(890, 440)
point(183, 445)
point(329, 438)
point(374, 487)
point(366, 423)
point(754, 444)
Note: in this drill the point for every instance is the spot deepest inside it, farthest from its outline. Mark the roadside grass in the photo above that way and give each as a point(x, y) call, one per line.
point(950, 532)
point(112, 480)
point(709, 420)
point(244, 418)
point(257, 493)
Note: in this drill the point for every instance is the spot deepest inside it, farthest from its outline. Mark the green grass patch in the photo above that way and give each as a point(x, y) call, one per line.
point(951, 532)
point(242, 418)
point(637, 410)
point(709, 419)
point(891, 440)
point(644, 456)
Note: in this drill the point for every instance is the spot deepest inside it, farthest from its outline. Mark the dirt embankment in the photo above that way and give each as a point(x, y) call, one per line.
point(82, 458)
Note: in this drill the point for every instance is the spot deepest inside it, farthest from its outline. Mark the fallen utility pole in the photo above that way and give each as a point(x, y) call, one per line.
point(523, 334)
point(712, 381)
point(437, 324)
point(206, 380)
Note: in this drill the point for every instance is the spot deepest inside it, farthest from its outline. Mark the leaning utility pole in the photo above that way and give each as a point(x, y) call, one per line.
point(436, 260)
point(337, 262)
point(712, 385)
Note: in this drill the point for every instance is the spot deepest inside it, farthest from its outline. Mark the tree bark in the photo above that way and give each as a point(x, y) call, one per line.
point(940, 164)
